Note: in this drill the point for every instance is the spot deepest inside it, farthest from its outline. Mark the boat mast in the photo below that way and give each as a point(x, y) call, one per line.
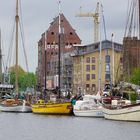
point(45, 61)
point(59, 49)
point(100, 52)
point(139, 17)
point(113, 64)
point(0, 60)
point(16, 39)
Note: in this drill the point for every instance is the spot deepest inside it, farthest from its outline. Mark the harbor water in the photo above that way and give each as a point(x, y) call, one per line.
point(22, 126)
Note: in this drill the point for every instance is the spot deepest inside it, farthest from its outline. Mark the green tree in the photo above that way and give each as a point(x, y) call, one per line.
point(24, 79)
point(135, 76)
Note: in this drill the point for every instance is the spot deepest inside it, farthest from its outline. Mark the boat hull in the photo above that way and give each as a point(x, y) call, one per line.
point(87, 108)
point(17, 108)
point(52, 108)
point(88, 113)
point(130, 113)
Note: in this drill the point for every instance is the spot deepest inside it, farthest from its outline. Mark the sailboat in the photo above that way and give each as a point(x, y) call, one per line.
point(57, 106)
point(91, 105)
point(5, 86)
point(15, 104)
point(127, 110)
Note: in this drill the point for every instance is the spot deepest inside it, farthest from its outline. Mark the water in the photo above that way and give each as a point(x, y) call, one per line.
point(14, 126)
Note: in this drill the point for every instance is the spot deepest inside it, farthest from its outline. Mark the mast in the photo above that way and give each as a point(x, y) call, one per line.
point(16, 39)
point(113, 64)
point(100, 53)
point(0, 60)
point(45, 61)
point(139, 16)
point(59, 49)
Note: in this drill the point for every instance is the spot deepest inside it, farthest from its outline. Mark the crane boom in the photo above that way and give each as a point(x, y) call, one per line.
point(95, 16)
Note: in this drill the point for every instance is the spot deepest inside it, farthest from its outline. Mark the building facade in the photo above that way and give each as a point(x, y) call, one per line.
point(49, 44)
point(131, 55)
point(86, 66)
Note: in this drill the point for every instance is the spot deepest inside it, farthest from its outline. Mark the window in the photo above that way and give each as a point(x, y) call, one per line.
point(93, 67)
point(107, 68)
point(96, 46)
point(52, 33)
point(87, 67)
point(87, 87)
point(121, 60)
point(88, 59)
point(93, 59)
point(88, 77)
point(93, 76)
point(107, 76)
point(107, 58)
point(93, 87)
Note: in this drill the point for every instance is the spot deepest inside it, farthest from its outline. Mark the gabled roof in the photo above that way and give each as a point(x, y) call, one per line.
point(70, 34)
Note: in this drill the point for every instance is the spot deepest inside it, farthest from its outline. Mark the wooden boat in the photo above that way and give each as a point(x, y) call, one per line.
point(90, 106)
point(57, 106)
point(128, 112)
point(14, 104)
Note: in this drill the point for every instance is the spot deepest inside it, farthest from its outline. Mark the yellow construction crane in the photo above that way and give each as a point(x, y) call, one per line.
point(96, 21)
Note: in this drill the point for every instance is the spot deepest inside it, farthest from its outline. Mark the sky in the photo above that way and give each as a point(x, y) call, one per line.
point(38, 14)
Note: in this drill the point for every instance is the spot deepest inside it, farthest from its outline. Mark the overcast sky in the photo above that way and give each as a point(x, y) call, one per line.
point(37, 15)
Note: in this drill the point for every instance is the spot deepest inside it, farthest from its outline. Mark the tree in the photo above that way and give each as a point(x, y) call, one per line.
point(25, 79)
point(135, 76)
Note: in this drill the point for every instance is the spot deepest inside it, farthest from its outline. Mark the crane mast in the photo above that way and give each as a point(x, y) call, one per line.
point(95, 16)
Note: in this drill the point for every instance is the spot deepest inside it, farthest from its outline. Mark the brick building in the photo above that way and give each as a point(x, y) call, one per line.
point(68, 38)
point(131, 54)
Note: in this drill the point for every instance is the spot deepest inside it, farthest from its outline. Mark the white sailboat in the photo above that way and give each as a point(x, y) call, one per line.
point(91, 105)
point(126, 111)
point(15, 104)
point(129, 112)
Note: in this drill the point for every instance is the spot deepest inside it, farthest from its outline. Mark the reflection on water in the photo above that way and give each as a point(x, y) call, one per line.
point(14, 126)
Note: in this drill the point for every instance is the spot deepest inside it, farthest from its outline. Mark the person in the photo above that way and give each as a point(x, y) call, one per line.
point(68, 94)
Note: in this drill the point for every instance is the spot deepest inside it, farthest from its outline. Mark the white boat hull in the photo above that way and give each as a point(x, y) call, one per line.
point(17, 108)
point(89, 113)
point(87, 108)
point(130, 113)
